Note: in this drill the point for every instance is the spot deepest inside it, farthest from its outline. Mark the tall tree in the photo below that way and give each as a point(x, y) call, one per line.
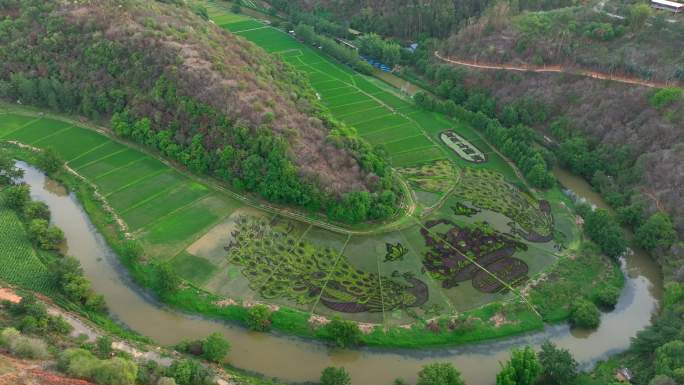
point(522, 369)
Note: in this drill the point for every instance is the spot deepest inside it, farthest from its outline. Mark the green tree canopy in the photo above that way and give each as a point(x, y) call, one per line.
point(558, 365)
point(335, 376)
point(8, 169)
point(656, 232)
point(215, 347)
point(439, 374)
point(522, 369)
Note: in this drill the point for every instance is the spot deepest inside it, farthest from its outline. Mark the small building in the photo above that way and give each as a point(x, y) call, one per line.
point(623, 375)
point(354, 32)
point(412, 48)
point(668, 5)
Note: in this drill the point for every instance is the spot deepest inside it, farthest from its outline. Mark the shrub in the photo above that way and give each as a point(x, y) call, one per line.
point(49, 161)
point(190, 372)
point(104, 346)
point(608, 297)
point(45, 236)
point(584, 314)
point(439, 374)
point(522, 369)
point(656, 232)
point(81, 363)
point(26, 347)
point(666, 96)
point(215, 347)
point(18, 196)
point(259, 318)
point(669, 360)
point(115, 371)
point(662, 380)
point(36, 210)
point(22, 346)
point(166, 381)
point(343, 333)
point(335, 376)
point(558, 365)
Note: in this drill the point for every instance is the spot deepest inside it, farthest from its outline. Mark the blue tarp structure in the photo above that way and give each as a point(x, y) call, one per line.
point(377, 64)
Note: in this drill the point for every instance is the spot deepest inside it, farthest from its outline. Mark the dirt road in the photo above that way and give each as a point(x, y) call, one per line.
point(553, 69)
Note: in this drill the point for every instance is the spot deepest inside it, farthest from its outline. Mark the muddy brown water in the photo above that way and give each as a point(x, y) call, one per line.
point(296, 360)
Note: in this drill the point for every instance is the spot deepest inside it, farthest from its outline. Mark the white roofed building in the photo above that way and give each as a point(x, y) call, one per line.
point(668, 5)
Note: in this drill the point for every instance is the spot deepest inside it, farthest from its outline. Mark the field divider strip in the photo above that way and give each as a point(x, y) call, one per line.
point(81, 167)
point(20, 127)
point(287, 251)
point(415, 149)
point(382, 293)
point(119, 168)
point(337, 261)
point(136, 181)
point(157, 194)
point(89, 151)
point(385, 129)
point(507, 285)
point(353, 113)
point(174, 211)
point(404, 138)
point(51, 135)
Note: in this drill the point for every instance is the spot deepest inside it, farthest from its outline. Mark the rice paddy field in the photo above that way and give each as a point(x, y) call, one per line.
point(475, 238)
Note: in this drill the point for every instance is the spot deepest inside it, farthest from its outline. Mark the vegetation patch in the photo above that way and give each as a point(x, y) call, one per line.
point(436, 177)
point(477, 253)
point(279, 265)
point(466, 150)
point(489, 190)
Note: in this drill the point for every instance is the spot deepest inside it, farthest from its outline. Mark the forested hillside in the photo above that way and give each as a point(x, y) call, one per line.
point(625, 139)
point(172, 81)
point(404, 19)
point(632, 40)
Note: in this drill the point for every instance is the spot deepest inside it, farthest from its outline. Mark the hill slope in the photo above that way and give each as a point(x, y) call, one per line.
point(641, 123)
point(175, 82)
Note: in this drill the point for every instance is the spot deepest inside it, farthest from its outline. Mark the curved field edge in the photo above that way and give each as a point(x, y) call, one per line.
point(468, 327)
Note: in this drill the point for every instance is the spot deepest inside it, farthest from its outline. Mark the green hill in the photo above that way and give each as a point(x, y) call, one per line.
point(177, 83)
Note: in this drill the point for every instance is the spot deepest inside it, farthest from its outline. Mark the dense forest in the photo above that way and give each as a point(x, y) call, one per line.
point(170, 80)
point(402, 19)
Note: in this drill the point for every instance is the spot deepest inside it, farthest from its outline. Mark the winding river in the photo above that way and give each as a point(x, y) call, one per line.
point(296, 360)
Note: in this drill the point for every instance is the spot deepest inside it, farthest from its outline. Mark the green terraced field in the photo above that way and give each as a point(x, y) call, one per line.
point(19, 264)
